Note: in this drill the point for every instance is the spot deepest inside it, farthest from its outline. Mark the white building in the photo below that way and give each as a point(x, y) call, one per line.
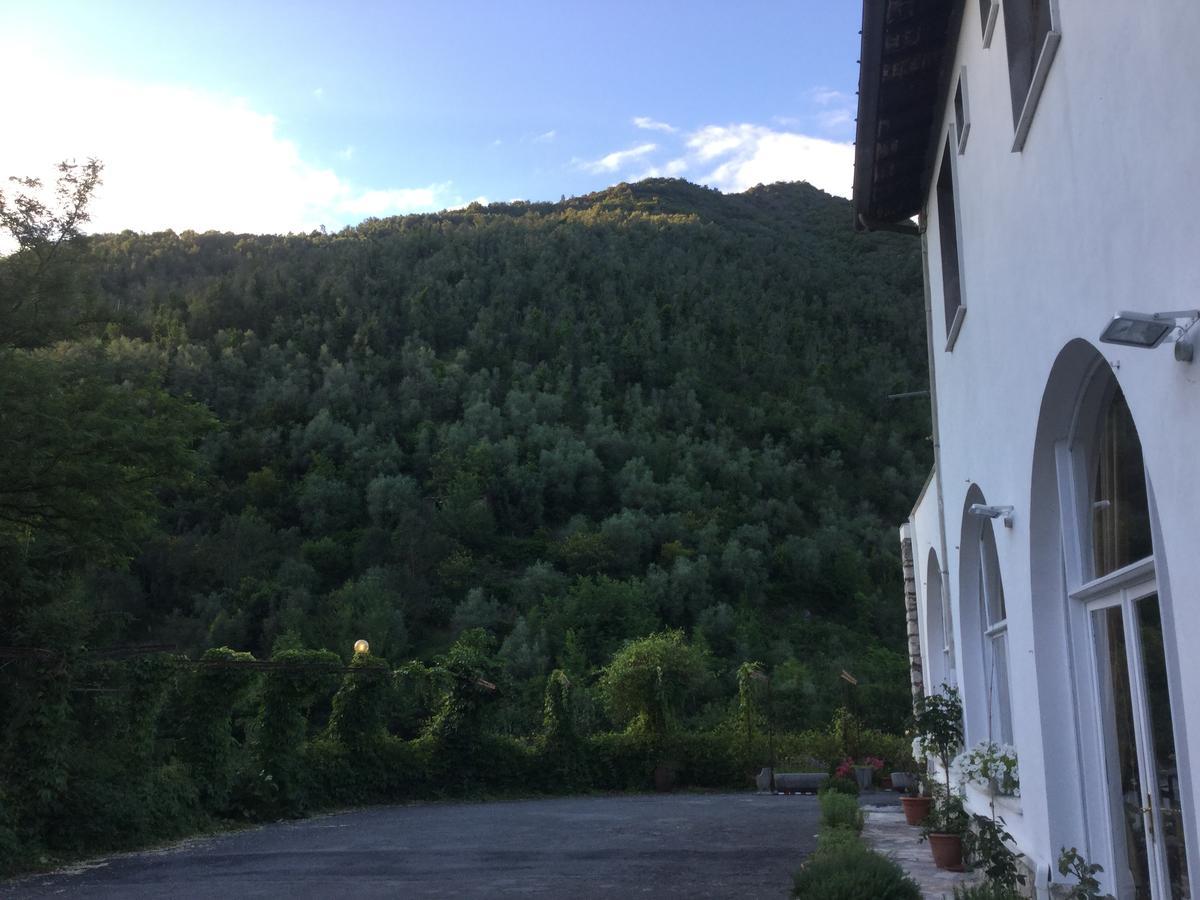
point(1050, 152)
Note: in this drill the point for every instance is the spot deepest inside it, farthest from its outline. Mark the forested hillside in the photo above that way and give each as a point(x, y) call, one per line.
point(568, 424)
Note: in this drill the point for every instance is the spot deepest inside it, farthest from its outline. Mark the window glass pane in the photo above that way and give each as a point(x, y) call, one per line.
point(1166, 771)
point(1001, 712)
point(993, 588)
point(948, 239)
point(1125, 785)
point(1120, 510)
point(1026, 24)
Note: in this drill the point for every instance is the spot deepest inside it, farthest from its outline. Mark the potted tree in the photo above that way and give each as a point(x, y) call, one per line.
point(944, 828)
point(938, 722)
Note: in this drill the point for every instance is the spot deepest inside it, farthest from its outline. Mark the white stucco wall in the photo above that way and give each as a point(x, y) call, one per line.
point(1098, 212)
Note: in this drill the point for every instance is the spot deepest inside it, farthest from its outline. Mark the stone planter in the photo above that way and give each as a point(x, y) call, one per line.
point(947, 850)
point(798, 782)
point(902, 781)
point(864, 775)
point(763, 779)
point(916, 809)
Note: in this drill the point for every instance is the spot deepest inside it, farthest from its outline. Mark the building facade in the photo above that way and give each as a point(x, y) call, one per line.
point(1045, 153)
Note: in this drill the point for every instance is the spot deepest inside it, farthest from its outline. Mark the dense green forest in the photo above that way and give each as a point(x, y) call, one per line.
point(565, 425)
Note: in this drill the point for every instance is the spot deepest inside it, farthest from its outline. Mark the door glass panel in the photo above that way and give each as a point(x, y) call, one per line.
point(1123, 778)
point(1120, 511)
point(1166, 772)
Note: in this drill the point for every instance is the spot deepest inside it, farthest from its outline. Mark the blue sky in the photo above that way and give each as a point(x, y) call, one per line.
point(282, 116)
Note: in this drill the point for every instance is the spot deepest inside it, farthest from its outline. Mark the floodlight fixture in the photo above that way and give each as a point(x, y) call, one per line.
point(1148, 330)
point(993, 512)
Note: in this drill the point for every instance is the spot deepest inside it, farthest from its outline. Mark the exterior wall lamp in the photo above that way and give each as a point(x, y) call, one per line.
point(361, 646)
point(993, 512)
point(1148, 330)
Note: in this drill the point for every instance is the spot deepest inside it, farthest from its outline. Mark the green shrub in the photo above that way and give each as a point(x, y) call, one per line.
point(849, 871)
point(289, 692)
point(360, 707)
point(647, 680)
point(834, 838)
point(563, 760)
point(470, 670)
point(621, 761)
point(835, 785)
point(206, 744)
point(840, 811)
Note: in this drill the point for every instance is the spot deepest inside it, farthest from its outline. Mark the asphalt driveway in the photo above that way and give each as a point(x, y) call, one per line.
point(670, 845)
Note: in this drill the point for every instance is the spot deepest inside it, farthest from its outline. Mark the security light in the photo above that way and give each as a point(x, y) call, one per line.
point(993, 512)
point(1148, 330)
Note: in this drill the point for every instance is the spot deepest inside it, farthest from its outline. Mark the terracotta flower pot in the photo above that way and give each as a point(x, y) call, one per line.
point(947, 850)
point(916, 809)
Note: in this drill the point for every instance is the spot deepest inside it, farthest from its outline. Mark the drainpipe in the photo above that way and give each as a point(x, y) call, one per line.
point(943, 557)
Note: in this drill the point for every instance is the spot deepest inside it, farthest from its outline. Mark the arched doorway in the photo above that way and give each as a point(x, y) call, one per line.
point(1123, 692)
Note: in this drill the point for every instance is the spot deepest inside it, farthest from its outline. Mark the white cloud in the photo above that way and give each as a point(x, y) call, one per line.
point(384, 203)
point(546, 137)
point(824, 96)
point(481, 200)
point(835, 118)
point(645, 122)
point(618, 158)
point(183, 159)
point(672, 169)
point(746, 155)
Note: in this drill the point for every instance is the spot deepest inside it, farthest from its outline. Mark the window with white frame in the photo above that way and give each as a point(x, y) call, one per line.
point(962, 113)
point(947, 212)
point(1032, 33)
point(989, 11)
point(994, 618)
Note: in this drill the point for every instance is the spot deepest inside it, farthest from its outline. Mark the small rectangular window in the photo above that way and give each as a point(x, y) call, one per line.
point(1032, 32)
point(989, 11)
point(948, 242)
point(962, 116)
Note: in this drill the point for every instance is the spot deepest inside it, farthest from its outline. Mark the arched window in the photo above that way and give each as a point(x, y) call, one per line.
point(939, 628)
point(985, 670)
point(1120, 521)
point(1126, 698)
point(994, 618)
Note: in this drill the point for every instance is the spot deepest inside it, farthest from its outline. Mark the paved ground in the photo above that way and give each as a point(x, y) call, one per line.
point(887, 832)
point(671, 845)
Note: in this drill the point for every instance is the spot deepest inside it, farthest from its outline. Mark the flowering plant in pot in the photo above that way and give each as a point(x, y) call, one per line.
point(937, 724)
point(863, 771)
point(944, 828)
point(992, 766)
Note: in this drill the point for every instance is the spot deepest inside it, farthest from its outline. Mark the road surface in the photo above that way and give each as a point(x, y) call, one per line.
point(665, 845)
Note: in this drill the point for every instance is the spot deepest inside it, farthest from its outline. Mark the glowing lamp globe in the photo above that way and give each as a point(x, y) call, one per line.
point(361, 646)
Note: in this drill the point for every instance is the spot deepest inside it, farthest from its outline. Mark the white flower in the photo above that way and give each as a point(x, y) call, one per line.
point(990, 765)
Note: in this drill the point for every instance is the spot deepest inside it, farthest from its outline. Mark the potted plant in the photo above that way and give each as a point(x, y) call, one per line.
point(862, 772)
point(993, 767)
point(903, 776)
point(944, 828)
point(916, 802)
point(937, 724)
